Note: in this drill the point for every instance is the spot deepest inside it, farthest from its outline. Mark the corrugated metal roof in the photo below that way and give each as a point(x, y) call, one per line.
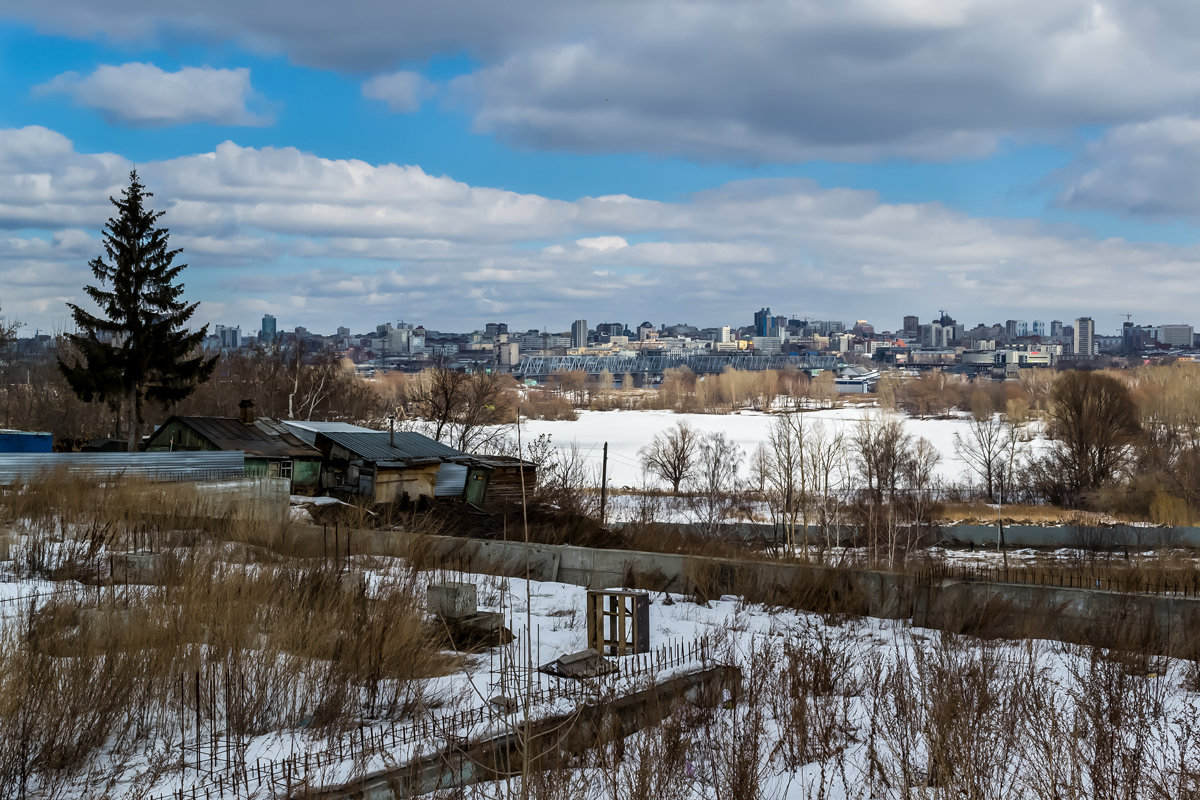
point(262, 438)
point(409, 446)
point(179, 465)
point(307, 429)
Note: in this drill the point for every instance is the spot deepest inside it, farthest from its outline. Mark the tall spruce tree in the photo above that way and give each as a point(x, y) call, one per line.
point(138, 350)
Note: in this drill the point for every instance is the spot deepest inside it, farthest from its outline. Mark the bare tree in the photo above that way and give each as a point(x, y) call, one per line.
point(880, 447)
point(825, 453)
point(787, 473)
point(989, 444)
point(462, 409)
point(1093, 424)
point(760, 469)
point(823, 389)
point(671, 454)
point(713, 483)
point(921, 485)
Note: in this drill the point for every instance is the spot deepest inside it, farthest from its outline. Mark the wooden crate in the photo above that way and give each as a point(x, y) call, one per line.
point(618, 622)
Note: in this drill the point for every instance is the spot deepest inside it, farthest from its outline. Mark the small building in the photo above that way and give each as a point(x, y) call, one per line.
point(271, 449)
point(480, 480)
point(495, 480)
point(383, 468)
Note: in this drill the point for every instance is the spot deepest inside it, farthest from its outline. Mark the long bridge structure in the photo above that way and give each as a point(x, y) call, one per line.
point(642, 366)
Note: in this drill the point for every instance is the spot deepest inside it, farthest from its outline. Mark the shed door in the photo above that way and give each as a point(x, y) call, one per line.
point(476, 487)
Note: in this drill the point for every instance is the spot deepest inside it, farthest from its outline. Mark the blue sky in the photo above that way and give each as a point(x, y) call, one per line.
point(456, 164)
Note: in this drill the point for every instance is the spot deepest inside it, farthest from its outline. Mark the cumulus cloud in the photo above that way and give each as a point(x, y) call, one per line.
point(766, 80)
point(347, 241)
point(145, 95)
point(1147, 169)
point(404, 91)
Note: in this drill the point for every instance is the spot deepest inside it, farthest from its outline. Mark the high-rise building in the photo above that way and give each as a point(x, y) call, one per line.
point(763, 322)
point(1022, 328)
point(1010, 328)
point(1085, 337)
point(912, 324)
point(579, 332)
point(1176, 335)
point(266, 334)
point(607, 330)
point(1039, 327)
point(230, 338)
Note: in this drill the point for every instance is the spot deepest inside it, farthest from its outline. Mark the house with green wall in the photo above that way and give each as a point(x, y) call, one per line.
point(271, 449)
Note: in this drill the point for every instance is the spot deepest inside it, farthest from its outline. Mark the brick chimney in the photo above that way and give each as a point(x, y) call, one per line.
point(247, 411)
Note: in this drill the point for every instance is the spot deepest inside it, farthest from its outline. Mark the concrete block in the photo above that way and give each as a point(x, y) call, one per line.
point(453, 600)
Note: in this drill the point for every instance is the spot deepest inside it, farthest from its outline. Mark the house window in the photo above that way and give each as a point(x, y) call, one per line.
point(285, 469)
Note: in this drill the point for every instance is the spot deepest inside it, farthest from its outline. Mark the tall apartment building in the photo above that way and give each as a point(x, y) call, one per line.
point(1056, 329)
point(763, 322)
point(266, 333)
point(579, 332)
point(1039, 328)
point(912, 323)
point(1085, 337)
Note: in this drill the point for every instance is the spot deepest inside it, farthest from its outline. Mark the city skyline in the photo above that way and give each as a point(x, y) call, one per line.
point(1012, 328)
point(540, 164)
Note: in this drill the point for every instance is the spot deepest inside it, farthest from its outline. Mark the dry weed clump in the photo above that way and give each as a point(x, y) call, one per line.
point(71, 522)
point(255, 648)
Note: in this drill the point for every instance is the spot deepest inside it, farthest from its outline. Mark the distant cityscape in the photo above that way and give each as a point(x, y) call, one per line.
point(768, 340)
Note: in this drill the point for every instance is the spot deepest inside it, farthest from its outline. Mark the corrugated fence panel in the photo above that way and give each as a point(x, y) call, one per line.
point(169, 466)
point(451, 480)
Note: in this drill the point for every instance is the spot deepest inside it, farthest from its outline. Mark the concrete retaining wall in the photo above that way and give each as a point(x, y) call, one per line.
point(1138, 537)
point(1160, 624)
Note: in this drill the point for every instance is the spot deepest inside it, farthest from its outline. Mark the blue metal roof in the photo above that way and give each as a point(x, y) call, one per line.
point(408, 446)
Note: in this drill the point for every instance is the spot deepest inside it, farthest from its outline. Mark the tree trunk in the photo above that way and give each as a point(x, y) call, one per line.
point(131, 419)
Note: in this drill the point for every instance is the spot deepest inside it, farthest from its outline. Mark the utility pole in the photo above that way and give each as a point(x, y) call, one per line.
point(604, 483)
point(1000, 543)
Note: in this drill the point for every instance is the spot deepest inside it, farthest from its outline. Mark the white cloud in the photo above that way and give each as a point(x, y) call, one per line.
point(602, 243)
point(404, 91)
point(339, 236)
point(1149, 169)
point(767, 80)
point(146, 95)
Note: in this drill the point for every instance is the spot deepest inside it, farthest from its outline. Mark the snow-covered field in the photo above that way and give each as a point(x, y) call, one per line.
point(628, 431)
point(871, 720)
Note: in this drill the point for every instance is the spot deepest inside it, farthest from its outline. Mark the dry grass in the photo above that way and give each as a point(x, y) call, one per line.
point(257, 640)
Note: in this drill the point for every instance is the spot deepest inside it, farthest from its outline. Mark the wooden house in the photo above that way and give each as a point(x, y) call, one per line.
point(383, 468)
point(271, 449)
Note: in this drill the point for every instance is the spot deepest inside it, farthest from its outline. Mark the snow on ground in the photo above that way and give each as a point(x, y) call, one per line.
point(549, 620)
point(628, 431)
